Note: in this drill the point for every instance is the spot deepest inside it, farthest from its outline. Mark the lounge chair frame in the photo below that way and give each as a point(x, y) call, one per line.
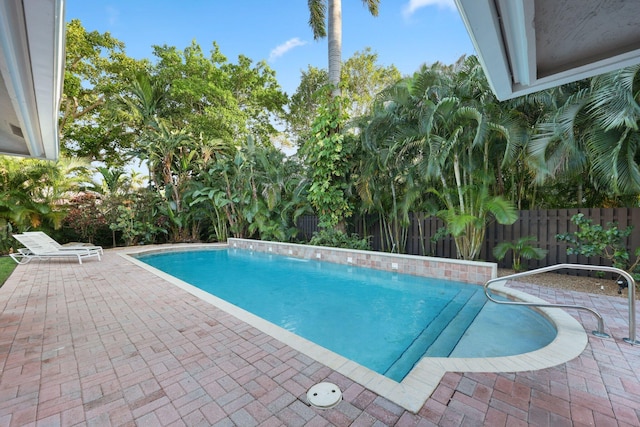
point(37, 248)
point(66, 247)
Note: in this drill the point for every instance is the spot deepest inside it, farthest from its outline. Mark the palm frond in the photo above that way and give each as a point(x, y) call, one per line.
point(612, 102)
point(614, 165)
point(514, 135)
point(372, 5)
point(317, 18)
point(555, 143)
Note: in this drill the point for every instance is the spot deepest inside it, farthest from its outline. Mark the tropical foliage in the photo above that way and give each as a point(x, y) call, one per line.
point(97, 71)
point(383, 147)
point(593, 135)
point(33, 194)
point(521, 248)
point(437, 131)
point(339, 239)
point(362, 79)
point(328, 157)
point(607, 242)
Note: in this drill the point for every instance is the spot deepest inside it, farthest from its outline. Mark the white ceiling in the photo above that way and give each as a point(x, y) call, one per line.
point(31, 76)
point(529, 45)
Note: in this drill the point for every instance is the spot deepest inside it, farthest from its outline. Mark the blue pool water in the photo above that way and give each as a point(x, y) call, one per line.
point(383, 320)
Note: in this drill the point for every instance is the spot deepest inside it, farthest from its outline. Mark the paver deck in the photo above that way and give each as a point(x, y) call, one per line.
point(108, 343)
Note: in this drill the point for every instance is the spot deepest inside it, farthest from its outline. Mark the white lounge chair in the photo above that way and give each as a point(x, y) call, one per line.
point(66, 247)
point(36, 248)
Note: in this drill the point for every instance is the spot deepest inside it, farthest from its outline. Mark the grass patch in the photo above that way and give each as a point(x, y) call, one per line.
point(7, 265)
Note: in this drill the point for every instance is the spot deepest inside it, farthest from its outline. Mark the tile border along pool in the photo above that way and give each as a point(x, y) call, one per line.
point(413, 391)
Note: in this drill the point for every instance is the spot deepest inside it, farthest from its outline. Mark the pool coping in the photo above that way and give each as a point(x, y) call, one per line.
point(414, 390)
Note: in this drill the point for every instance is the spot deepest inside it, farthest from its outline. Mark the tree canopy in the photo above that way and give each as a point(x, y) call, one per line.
point(434, 143)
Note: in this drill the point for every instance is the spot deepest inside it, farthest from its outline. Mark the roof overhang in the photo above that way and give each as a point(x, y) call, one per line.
point(32, 35)
point(530, 45)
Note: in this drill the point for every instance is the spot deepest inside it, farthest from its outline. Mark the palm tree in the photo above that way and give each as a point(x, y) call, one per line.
point(31, 192)
point(280, 202)
point(317, 19)
point(113, 180)
point(146, 101)
point(596, 130)
point(383, 183)
point(172, 156)
point(440, 122)
point(614, 146)
point(113, 188)
point(522, 248)
point(461, 133)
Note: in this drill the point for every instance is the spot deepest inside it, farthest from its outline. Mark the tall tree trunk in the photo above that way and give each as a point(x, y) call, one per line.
point(418, 218)
point(394, 217)
point(580, 194)
point(335, 45)
point(456, 171)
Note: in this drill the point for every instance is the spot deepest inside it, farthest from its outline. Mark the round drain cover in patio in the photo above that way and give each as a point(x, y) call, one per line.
point(324, 395)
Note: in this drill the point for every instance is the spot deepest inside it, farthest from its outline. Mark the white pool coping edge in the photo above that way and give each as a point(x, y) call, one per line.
point(419, 384)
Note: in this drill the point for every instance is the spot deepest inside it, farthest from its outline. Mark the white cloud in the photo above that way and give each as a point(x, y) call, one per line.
point(414, 5)
point(285, 47)
point(113, 15)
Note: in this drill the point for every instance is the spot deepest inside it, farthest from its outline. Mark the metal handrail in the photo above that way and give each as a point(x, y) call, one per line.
point(600, 332)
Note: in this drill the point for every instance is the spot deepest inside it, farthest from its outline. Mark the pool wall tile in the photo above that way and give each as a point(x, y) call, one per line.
point(458, 270)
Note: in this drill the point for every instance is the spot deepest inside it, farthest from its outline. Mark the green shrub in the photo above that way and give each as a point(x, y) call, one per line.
point(607, 242)
point(521, 248)
point(338, 239)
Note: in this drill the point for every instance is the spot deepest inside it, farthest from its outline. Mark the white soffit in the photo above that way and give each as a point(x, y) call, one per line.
point(31, 76)
point(530, 45)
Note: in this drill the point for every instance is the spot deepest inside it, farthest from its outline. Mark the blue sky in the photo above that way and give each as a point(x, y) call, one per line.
point(407, 33)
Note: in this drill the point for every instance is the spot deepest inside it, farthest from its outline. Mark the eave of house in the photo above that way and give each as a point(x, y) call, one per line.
point(530, 45)
point(31, 76)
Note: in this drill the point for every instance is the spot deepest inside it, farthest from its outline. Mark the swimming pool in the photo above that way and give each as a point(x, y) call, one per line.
point(383, 320)
point(413, 391)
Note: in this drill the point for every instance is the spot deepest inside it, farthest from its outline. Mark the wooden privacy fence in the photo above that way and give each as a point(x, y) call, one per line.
point(544, 225)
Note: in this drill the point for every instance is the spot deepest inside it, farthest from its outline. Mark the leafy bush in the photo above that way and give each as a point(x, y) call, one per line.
point(139, 220)
point(328, 158)
point(133, 230)
point(85, 217)
point(7, 241)
point(606, 242)
point(338, 239)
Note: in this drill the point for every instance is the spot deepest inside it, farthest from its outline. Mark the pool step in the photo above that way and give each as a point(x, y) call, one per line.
point(451, 335)
point(458, 313)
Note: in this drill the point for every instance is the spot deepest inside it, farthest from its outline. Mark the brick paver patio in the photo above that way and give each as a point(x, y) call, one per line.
point(108, 343)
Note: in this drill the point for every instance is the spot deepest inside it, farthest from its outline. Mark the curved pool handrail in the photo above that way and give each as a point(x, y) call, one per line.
point(600, 332)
